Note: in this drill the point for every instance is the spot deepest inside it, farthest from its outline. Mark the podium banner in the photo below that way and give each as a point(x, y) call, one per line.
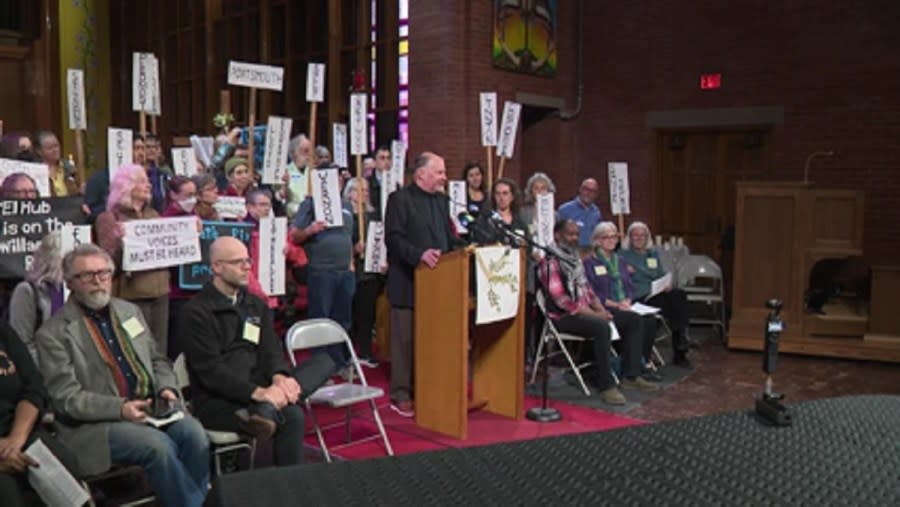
point(497, 283)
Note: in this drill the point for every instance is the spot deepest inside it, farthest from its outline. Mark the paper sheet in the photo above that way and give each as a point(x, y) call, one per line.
point(660, 284)
point(53, 483)
point(642, 309)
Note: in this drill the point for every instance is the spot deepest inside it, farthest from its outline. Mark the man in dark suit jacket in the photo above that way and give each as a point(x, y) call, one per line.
point(417, 230)
point(382, 165)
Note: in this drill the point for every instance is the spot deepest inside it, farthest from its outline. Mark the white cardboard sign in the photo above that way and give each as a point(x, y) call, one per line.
point(327, 197)
point(184, 161)
point(39, 172)
point(278, 136)
point(376, 251)
point(358, 124)
point(119, 149)
point(544, 218)
point(272, 239)
point(388, 185)
point(75, 92)
point(160, 243)
point(231, 207)
point(619, 198)
point(457, 189)
point(315, 82)
point(254, 75)
point(140, 82)
point(203, 147)
point(339, 144)
point(155, 105)
point(488, 107)
point(509, 127)
point(398, 163)
point(70, 237)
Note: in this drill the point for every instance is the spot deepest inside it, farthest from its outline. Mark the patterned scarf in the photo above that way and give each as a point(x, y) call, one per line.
point(572, 269)
point(142, 383)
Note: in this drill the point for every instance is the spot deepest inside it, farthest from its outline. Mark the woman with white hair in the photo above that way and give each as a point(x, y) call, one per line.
point(38, 297)
point(368, 285)
point(608, 276)
point(130, 198)
point(644, 267)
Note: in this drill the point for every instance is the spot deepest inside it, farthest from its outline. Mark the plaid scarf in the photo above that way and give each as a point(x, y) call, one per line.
point(141, 388)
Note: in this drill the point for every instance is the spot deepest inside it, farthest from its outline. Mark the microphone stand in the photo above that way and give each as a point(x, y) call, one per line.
point(543, 413)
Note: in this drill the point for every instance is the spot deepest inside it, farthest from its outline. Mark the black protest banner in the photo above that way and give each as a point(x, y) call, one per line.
point(193, 276)
point(25, 223)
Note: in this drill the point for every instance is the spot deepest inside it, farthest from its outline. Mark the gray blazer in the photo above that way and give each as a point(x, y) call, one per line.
point(82, 390)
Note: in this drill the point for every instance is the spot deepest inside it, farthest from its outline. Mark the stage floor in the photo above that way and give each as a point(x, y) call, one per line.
point(840, 451)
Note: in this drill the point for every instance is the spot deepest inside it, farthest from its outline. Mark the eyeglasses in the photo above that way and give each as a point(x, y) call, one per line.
point(609, 236)
point(246, 261)
point(102, 275)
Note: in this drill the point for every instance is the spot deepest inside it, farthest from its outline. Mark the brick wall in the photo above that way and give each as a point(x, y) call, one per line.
point(833, 66)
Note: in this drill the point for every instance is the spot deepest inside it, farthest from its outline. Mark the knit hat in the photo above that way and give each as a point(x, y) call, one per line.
point(233, 162)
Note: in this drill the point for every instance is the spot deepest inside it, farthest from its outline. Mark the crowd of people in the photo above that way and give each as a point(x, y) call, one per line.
point(101, 360)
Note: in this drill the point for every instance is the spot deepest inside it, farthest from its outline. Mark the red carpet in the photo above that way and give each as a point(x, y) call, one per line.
point(484, 428)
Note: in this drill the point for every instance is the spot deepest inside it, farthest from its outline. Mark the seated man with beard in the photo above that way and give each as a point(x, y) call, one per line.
point(102, 369)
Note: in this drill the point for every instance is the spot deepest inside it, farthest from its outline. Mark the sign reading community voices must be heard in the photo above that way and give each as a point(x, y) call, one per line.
point(160, 243)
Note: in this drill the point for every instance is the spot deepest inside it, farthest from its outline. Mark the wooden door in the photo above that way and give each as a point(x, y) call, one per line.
point(695, 191)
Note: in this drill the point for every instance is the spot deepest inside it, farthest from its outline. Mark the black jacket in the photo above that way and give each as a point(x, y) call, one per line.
point(408, 233)
point(221, 362)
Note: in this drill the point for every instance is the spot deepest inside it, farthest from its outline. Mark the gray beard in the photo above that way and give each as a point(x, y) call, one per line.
point(95, 301)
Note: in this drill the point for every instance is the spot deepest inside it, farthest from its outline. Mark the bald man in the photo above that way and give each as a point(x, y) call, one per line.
point(417, 231)
point(584, 212)
point(239, 378)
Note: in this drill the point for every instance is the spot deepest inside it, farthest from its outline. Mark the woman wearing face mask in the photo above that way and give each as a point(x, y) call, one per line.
point(182, 199)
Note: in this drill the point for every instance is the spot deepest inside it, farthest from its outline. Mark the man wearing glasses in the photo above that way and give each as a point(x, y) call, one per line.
point(240, 380)
point(103, 371)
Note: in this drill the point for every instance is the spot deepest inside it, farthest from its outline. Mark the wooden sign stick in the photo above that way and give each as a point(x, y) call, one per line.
point(79, 154)
point(143, 123)
point(500, 170)
point(361, 206)
point(490, 168)
point(252, 115)
point(153, 124)
point(313, 107)
point(621, 226)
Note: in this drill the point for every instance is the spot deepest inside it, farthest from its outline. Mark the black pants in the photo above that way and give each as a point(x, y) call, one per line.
point(597, 330)
point(367, 291)
point(634, 343)
point(14, 488)
point(673, 306)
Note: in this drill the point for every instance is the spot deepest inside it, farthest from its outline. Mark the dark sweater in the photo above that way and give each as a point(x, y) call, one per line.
point(19, 378)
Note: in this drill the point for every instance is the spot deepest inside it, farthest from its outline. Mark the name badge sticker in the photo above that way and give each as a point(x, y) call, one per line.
point(599, 270)
point(652, 263)
point(251, 333)
point(133, 327)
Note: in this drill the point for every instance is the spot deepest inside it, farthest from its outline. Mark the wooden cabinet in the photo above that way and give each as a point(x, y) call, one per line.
point(782, 230)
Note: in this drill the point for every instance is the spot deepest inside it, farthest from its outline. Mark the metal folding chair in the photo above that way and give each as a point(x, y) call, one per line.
point(549, 333)
point(698, 268)
point(313, 333)
point(223, 442)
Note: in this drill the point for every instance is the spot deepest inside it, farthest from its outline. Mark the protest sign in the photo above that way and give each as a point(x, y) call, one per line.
point(75, 94)
point(387, 188)
point(140, 82)
point(272, 240)
point(231, 206)
point(544, 218)
point(154, 106)
point(509, 127)
point(458, 199)
point(618, 188)
point(203, 147)
point(315, 82)
point(253, 75)
point(193, 276)
point(119, 146)
point(488, 107)
point(398, 163)
point(39, 172)
point(160, 243)
point(25, 223)
point(339, 145)
point(359, 133)
point(327, 197)
point(184, 162)
point(70, 237)
point(278, 136)
point(376, 251)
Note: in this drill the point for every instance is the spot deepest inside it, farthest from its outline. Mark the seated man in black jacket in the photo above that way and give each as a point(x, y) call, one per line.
point(239, 378)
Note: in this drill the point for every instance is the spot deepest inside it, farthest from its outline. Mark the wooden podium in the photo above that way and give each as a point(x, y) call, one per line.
point(443, 316)
point(782, 230)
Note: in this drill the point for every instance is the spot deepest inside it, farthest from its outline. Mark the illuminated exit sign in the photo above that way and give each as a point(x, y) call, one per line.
point(710, 81)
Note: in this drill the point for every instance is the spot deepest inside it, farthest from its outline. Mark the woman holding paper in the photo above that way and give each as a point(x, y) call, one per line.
point(608, 276)
point(368, 285)
point(130, 198)
point(22, 399)
point(181, 196)
point(644, 267)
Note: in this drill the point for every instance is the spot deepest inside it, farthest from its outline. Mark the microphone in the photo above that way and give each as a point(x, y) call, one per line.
point(465, 218)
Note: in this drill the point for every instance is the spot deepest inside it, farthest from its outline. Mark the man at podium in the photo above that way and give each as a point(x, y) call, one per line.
point(417, 231)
